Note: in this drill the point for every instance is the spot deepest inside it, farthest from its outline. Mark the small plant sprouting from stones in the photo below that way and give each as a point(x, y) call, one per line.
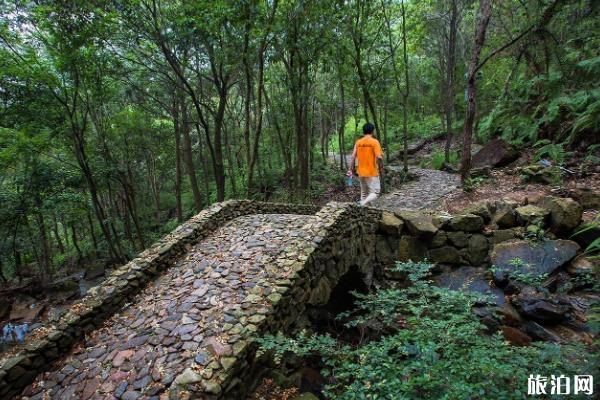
point(431, 345)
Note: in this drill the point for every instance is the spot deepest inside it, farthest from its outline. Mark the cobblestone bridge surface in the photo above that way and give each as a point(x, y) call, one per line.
point(180, 320)
point(424, 193)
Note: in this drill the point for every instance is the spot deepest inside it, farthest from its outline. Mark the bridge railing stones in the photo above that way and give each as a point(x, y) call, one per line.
point(344, 238)
point(20, 368)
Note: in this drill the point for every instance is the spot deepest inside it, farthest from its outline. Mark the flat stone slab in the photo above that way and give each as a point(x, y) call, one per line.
point(195, 315)
point(532, 259)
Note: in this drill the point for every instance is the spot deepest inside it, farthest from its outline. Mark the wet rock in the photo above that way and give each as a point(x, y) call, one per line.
point(420, 225)
point(537, 331)
point(496, 153)
point(390, 224)
point(466, 223)
point(549, 309)
point(470, 279)
point(532, 259)
point(565, 213)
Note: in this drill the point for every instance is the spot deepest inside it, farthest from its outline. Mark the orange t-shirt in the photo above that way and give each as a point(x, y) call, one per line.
point(367, 151)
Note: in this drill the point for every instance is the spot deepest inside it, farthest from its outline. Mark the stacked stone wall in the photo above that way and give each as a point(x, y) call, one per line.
point(344, 238)
point(38, 352)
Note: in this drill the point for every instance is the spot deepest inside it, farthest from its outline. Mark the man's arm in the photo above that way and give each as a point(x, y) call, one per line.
point(352, 159)
point(379, 156)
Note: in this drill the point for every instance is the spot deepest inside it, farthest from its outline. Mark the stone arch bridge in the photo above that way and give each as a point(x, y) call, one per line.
point(177, 321)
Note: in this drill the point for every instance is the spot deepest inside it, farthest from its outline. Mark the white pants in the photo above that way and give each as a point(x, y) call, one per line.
point(369, 189)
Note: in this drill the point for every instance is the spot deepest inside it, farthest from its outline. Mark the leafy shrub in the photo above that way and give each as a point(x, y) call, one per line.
point(437, 158)
point(437, 349)
point(554, 151)
point(592, 249)
point(473, 183)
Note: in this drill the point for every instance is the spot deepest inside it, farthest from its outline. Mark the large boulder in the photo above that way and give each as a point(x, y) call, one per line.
point(470, 279)
point(467, 223)
point(565, 213)
point(496, 153)
point(419, 224)
point(531, 259)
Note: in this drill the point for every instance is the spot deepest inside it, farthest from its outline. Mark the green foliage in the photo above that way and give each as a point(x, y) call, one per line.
point(437, 349)
point(472, 183)
point(592, 249)
point(437, 159)
point(545, 149)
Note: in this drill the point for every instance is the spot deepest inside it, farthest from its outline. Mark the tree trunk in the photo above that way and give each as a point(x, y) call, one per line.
point(450, 65)
point(76, 244)
point(219, 167)
point(485, 12)
point(59, 242)
point(93, 234)
point(187, 154)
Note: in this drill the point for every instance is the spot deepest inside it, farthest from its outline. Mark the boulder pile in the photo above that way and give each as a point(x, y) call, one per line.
point(526, 254)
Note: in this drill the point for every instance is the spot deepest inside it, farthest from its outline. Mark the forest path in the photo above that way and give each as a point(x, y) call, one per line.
point(424, 193)
point(193, 314)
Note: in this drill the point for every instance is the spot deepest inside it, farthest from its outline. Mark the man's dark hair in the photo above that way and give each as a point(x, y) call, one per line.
point(368, 128)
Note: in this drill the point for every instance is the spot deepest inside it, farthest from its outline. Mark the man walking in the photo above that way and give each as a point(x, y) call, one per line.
point(367, 151)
